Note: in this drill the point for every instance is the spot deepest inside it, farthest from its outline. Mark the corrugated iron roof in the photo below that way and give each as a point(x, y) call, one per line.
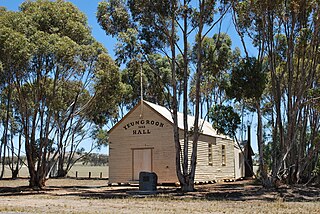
point(205, 127)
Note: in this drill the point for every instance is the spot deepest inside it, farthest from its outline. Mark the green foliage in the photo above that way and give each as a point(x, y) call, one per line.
point(224, 119)
point(101, 137)
point(113, 17)
point(217, 59)
point(248, 80)
point(206, 14)
point(156, 79)
point(316, 171)
point(59, 17)
point(95, 159)
point(152, 20)
point(15, 50)
point(107, 91)
point(127, 46)
point(216, 53)
point(136, 24)
point(313, 96)
point(61, 79)
point(267, 151)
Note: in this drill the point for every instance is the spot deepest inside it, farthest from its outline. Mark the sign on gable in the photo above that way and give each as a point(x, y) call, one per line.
point(141, 126)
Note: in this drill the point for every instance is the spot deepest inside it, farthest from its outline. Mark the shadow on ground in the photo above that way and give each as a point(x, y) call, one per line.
point(20, 190)
point(234, 191)
point(247, 190)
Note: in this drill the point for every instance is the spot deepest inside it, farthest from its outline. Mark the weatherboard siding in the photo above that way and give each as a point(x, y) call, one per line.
point(216, 171)
point(145, 128)
point(239, 163)
point(159, 138)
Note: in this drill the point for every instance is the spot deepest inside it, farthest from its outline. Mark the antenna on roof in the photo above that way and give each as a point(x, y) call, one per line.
point(141, 89)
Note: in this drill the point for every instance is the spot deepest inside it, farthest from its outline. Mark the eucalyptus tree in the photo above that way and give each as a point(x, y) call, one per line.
point(10, 60)
point(55, 67)
point(154, 75)
point(287, 35)
point(144, 27)
point(247, 84)
point(224, 119)
point(218, 58)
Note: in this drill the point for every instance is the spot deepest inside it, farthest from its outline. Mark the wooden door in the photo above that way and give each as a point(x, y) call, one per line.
point(142, 161)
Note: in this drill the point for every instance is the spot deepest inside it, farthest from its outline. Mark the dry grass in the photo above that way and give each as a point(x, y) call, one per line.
point(40, 204)
point(94, 196)
point(83, 171)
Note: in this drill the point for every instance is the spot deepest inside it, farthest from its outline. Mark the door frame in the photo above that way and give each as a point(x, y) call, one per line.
point(132, 161)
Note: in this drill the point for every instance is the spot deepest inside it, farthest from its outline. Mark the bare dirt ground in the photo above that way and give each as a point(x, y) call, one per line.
point(95, 196)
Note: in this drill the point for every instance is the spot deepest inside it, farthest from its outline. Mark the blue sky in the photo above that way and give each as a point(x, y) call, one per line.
point(89, 7)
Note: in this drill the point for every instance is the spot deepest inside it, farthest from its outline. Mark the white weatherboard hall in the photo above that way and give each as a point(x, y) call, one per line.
point(143, 141)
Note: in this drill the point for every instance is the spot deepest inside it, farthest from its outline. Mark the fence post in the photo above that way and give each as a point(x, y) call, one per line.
point(100, 175)
point(76, 174)
point(89, 174)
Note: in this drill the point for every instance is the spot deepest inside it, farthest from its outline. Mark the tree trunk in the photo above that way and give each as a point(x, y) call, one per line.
point(193, 164)
point(5, 131)
point(62, 173)
point(263, 168)
point(3, 146)
point(174, 101)
point(15, 166)
point(186, 184)
point(37, 179)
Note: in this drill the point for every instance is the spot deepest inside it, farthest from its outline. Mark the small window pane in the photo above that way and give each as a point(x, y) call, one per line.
point(223, 155)
point(210, 154)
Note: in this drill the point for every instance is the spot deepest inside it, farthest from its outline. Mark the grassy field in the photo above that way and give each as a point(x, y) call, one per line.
point(94, 196)
point(83, 171)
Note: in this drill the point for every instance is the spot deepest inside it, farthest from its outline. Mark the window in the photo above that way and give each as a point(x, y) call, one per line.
point(210, 162)
point(223, 155)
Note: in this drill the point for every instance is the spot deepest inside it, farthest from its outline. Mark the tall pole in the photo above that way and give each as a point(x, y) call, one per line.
point(141, 91)
point(141, 85)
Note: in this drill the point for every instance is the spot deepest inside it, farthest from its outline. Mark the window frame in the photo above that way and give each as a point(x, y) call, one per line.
point(210, 154)
point(223, 155)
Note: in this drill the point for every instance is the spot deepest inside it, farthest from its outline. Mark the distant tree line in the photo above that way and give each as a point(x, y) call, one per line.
point(94, 159)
